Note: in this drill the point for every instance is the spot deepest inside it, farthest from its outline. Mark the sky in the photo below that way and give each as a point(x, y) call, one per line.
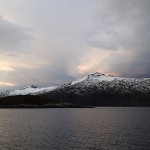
point(52, 42)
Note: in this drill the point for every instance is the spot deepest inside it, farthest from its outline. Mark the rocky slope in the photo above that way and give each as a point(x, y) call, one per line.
point(99, 89)
point(94, 90)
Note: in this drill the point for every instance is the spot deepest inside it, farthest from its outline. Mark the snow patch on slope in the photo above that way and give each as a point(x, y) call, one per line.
point(29, 90)
point(99, 77)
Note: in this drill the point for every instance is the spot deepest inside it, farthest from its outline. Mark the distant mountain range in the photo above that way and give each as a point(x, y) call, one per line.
point(92, 90)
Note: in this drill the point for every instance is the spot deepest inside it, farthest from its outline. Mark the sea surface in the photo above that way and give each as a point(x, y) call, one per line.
point(104, 128)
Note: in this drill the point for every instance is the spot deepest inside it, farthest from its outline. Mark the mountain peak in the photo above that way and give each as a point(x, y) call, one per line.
point(96, 74)
point(93, 76)
point(33, 86)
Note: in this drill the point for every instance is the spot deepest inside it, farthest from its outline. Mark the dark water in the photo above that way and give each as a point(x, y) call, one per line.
point(68, 129)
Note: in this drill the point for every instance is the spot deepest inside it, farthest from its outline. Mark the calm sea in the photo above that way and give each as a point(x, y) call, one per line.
point(75, 129)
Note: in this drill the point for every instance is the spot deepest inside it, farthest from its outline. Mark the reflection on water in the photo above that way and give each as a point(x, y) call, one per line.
point(68, 128)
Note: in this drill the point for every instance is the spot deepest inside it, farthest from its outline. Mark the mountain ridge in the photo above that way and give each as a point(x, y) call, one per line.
point(95, 89)
point(28, 90)
point(90, 79)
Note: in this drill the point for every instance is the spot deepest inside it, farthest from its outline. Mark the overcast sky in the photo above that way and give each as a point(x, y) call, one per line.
point(51, 42)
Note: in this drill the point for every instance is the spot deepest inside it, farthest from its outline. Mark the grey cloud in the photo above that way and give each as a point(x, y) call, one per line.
point(124, 24)
point(13, 38)
point(55, 74)
point(140, 67)
point(8, 54)
point(48, 75)
point(103, 45)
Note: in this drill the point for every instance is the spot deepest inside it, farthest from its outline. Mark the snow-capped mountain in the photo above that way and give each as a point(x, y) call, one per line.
point(92, 90)
point(102, 82)
point(90, 84)
point(103, 90)
point(29, 90)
